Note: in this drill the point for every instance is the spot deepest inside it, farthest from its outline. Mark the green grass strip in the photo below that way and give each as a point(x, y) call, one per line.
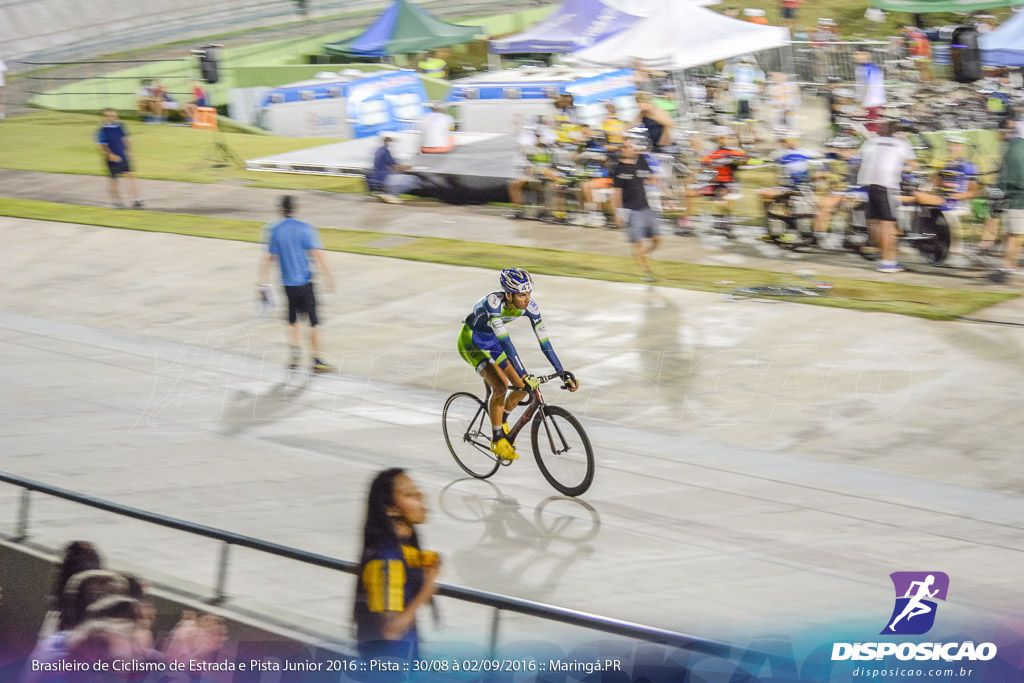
point(864, 295)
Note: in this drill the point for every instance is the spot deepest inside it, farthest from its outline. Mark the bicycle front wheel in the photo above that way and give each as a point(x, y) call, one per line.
point(467, 431)
point(562, 450)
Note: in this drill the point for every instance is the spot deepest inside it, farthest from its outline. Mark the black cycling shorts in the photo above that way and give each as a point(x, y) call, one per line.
point(743, 112)
point(301, 299)
point(881, 204)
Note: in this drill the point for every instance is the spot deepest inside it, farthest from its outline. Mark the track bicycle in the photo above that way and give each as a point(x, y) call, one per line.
point(560, 444)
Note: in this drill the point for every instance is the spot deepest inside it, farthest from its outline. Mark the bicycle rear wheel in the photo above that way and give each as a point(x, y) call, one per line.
point(564, 454)
point(467, 431)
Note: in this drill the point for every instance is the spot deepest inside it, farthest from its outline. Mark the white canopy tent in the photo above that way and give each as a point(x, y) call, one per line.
point(680, 35)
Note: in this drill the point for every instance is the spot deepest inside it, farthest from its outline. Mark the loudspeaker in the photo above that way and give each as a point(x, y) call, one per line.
point(964, 55)
point(208, 64)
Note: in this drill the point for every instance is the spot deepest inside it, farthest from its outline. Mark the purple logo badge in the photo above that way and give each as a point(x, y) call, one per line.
point(916, 593)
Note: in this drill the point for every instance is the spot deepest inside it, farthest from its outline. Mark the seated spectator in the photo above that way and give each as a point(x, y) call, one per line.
point(537, 175)
point(437, 125)
point(148, 100)
point(82, 590)
point(388, 177)
point(197, 638)
point(79, 556)
point(199, 99)
point(159, 102)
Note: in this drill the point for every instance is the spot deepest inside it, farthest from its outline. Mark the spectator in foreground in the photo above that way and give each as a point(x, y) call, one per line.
point(289, 243)
point(396, 577)
point(388, 177)
point(880, 173)
point(79, 556)
point(113, 141)
point(630, 176)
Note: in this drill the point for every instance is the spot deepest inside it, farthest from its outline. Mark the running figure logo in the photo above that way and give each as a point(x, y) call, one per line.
point(916, 592)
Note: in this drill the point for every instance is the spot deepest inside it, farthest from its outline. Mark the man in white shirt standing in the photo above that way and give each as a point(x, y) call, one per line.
point(870, 87)
point(436, 126)
point(881, 170)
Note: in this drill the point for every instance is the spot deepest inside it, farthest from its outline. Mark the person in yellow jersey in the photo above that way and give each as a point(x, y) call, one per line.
point(614, 128)
point(432, 65)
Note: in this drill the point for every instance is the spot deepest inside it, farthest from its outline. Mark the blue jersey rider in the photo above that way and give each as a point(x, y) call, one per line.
point(485, 344)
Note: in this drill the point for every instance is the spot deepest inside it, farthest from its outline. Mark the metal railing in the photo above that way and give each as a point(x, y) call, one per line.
point(499, 603)
point(817, 61)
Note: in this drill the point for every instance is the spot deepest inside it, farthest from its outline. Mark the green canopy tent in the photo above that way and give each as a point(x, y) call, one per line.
point(403, 29)
point(929, 6)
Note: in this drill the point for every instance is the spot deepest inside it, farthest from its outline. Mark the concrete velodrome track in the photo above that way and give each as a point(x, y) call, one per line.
point(762, 467)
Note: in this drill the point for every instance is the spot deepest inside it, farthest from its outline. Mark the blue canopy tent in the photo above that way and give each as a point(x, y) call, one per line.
point(576, 24)
point(1005, 45)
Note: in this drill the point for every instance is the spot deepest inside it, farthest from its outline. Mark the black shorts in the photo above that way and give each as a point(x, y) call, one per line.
point(301, 299)
point(743, 110)
point(788, 12)
point(880, 204)
point(116, 168)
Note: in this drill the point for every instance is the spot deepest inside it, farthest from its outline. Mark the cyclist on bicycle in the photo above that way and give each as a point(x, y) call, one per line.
point(485, 344)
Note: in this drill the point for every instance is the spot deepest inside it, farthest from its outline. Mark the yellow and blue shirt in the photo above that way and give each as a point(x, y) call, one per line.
point(390, 579)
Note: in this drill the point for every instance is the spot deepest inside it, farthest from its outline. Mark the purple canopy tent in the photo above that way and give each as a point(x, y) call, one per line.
point(576, 24)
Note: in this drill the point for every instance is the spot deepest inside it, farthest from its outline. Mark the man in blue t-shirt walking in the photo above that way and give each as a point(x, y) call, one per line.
point(289, 242)
point(113, 141)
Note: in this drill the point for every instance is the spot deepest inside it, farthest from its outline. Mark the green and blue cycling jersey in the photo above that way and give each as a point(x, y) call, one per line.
point(485, 335)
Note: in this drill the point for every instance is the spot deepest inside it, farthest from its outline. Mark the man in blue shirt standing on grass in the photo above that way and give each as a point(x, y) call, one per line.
point(289, 242)
point(113, 141)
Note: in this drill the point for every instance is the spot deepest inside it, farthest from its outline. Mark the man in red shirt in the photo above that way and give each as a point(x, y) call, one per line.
point(788, 8)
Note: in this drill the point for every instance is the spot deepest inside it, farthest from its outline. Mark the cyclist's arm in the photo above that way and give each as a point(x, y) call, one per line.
point(498, 328)
point(533, 313)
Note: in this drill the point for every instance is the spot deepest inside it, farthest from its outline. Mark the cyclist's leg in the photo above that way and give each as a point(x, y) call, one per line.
point(487, 358)
point(498, 383)
point(516, 395)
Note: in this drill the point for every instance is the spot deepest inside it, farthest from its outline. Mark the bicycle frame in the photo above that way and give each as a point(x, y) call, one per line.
point(535, 402)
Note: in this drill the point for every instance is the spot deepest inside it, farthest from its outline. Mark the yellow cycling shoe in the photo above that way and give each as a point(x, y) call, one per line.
point(504, 450)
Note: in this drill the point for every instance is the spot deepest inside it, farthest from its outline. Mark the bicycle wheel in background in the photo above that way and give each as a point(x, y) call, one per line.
point(467, 431)
point(562, 450)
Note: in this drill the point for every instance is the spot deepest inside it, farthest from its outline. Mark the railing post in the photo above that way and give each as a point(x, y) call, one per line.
point(222, 574)
point(22, 531)
point(494, 631)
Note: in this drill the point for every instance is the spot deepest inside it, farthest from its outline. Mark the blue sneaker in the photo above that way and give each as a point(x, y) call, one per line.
point(890, 268)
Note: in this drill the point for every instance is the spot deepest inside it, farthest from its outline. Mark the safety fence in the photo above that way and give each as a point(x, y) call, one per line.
point(498, 604)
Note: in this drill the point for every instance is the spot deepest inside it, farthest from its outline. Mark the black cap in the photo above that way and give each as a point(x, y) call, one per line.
point(287, 203)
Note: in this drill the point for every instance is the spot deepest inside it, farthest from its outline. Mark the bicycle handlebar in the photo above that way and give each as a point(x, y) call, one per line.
point(547, 378)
